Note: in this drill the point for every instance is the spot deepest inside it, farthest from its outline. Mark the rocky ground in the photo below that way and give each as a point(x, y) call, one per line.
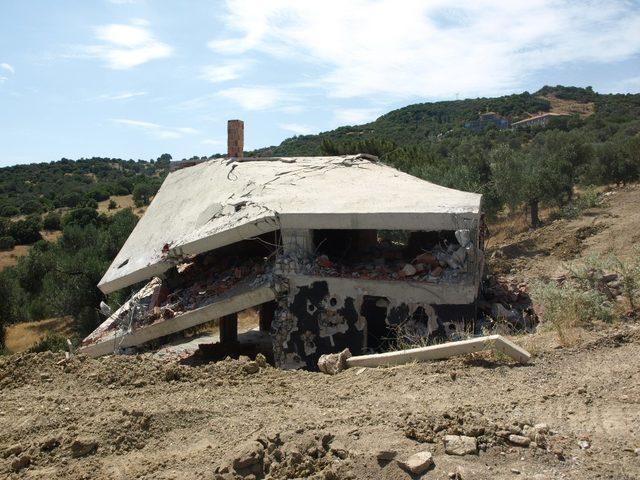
point(572, 413)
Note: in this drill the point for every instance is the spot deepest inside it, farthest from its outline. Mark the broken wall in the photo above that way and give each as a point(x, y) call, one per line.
point(323, 315)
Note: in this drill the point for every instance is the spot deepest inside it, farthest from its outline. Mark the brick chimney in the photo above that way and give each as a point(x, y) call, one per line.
point(235, 138)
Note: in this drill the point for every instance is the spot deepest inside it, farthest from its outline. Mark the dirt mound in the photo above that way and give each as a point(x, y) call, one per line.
point(134, 417)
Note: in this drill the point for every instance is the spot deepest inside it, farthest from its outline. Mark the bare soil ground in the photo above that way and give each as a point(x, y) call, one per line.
point(136, 417)
point(132, 417)
point(611, 228)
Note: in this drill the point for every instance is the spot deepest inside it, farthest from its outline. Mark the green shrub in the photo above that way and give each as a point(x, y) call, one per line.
point(565, 307)
point(52, 221)
point(5, 223)
point(25, 231)
point(9, 211)
point(7, 243)
point(53, 342)
point(112, 205)
point(31, 206)
point(81, 216)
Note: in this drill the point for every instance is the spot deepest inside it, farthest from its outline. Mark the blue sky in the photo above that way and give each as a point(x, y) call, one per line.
point(138, 78)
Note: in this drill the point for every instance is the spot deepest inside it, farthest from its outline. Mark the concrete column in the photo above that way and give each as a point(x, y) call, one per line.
point(229, 329)
point(266, 313)
point(235, 138)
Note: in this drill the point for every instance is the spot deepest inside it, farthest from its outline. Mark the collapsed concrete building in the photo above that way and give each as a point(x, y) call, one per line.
point(334, 252)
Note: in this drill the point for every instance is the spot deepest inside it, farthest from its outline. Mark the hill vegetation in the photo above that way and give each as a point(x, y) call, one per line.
point(517, 170)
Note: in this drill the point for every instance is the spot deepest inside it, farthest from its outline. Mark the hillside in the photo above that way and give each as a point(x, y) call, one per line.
point(424, 123)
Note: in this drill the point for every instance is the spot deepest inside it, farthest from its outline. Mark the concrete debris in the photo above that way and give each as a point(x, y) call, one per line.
point(447, 263)
point(460, 445)
point(507, 306)
point(445, 350)
point(333, 363)
point(417, 463)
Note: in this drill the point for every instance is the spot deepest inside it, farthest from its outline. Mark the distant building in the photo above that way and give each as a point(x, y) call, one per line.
point(540, 120)
point(485, 120)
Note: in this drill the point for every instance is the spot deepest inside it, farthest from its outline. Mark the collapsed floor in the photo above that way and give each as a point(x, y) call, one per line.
point(321, 308)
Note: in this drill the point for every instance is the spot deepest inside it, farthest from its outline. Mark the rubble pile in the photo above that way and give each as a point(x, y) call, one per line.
point(467, 432)
point(205, 282)
point(315, 455)
point(190, 285)
point(504, 302)
point(442, 263)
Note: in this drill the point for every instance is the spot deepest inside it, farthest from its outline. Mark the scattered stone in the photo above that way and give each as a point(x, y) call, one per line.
point(516, 471)
point(637, 451)
point(333, 363)
point(251, 367)
point(453, 375)
point(386, 455)
point(584, 444)
point(13, 450)
point(82, 447)
point(417, 463)
point(261, 360)
point(519, 440)
point(247, 455)
point(21, 462)
point(460, 445)
point(49, 444)
point(407, 271)
point(339, 451)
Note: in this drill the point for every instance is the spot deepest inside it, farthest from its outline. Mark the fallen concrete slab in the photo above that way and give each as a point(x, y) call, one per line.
point(445, 350)
point(231, 302)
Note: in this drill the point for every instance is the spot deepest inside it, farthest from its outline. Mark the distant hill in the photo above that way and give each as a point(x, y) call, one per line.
point(425, 123)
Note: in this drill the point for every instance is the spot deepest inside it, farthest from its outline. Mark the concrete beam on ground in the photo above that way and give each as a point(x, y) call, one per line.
point(442, 351)
point(227, 304)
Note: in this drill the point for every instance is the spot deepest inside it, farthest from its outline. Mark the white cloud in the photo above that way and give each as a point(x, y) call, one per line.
point(356, 116)
point(8, 68)
point(297, 128)
point(3, 79)
point(431, 48)
point(253, 98)
point(212, 142)
point(120, 96)
point(156, 130)
point(127, 45)
point(224, 72)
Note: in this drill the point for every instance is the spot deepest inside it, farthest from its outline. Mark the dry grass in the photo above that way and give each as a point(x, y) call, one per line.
point(122, 202)
point(8, 258)
point(570, 107)
point(21, 336)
